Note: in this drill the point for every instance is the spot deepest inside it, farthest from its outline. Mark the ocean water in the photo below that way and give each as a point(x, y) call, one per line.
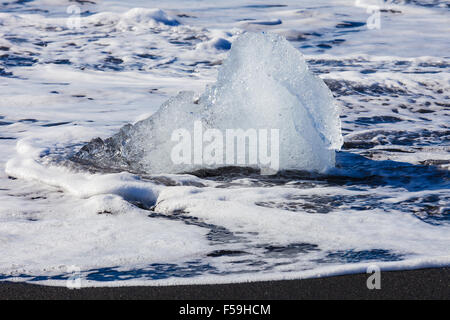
point(71, 71)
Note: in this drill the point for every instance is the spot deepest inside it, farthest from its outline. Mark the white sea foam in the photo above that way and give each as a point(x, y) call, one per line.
point(60, 88)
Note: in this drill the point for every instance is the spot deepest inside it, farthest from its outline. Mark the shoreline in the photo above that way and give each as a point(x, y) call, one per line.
point(433, 283)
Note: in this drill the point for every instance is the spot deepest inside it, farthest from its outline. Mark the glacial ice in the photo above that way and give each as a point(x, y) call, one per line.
point(263, 84)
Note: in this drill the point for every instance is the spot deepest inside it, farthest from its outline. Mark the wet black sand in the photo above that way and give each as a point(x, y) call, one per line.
point(415, 284)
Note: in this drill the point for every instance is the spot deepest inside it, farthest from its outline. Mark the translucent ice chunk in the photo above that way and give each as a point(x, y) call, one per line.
point(264, 84)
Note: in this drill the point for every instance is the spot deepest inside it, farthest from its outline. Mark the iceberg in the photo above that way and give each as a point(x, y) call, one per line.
point(264, 93)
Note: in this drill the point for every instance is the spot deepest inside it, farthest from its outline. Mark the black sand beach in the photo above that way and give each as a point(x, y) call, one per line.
point(414, 284)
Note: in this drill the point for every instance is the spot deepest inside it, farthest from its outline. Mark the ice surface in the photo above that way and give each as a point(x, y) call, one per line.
point(264, 84)
point(387, 203)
